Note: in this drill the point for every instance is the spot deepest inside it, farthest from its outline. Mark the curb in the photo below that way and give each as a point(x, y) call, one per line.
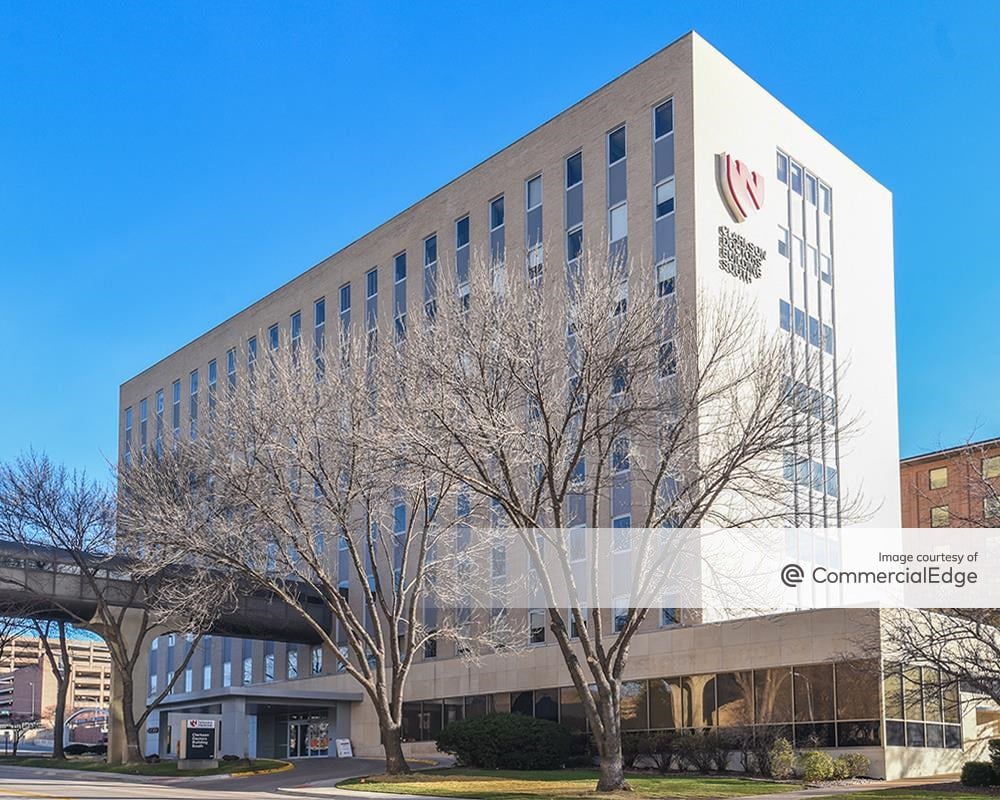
point(327, 789)
point(285, 767)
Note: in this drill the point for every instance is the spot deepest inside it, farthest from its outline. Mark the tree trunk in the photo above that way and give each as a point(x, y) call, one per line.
point(612, 765)
point(59, 717)
point(133, 751)
point(392, 741)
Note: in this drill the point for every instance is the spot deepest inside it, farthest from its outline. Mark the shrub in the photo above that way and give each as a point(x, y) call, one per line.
point(995, 755)
point(507, 741)
point(851, 765)
point(717, 746)
point(662, 750)
point(76, 749)
point(692, 752)
point(815, 765)
point(231, 757)
point(98, 749)
point(781, 759)
point(978, 773)
point(582, 751)
point(635, 745)
point(153, 758)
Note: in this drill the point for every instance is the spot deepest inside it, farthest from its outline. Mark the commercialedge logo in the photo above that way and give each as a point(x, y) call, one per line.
point(792, 575)
point(741, 188)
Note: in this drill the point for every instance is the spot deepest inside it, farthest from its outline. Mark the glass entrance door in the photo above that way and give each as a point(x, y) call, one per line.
point(308, 738)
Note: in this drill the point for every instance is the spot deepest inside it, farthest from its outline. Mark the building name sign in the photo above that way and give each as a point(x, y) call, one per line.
point(739, 256)
point(199, 739)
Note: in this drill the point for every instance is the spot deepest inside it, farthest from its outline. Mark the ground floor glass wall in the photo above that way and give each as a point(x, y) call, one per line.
point(813, 705)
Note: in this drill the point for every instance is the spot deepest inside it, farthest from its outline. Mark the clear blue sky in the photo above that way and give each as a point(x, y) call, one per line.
point(164, 164)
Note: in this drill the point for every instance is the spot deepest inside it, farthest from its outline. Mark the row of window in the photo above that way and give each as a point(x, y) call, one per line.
point(805, 326)
point(664, 199)
point(804, 255)
point(246, 663)
point(938, 476)
point(922, 708)
point(791, 173)
point(809, 473)
point(809, 400)
point(941, 515)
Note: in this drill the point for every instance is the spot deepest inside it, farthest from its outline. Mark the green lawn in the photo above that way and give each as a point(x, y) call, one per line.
point(94, 764)
point(564, 784)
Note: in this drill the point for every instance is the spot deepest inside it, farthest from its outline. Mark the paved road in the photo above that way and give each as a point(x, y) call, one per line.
point(26, 782)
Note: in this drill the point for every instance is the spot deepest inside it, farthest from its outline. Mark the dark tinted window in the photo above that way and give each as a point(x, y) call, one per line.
point(616, 145)
point(574, 170)
point(462, 232)
point(663, 119)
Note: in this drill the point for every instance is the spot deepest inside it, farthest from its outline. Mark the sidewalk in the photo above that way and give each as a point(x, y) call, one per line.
point(328, 788)
point(873, 786)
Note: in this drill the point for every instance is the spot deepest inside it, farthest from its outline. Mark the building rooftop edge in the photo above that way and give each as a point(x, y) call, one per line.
point(933, 454)
point(690, 34)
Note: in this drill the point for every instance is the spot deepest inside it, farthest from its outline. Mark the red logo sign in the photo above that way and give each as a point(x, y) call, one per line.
point(742, 189)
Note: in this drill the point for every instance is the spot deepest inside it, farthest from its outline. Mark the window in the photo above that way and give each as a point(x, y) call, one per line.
point(811, 189)
point(782, 168)
point(496, 213)
point(295, 325)
point(316, 659)
point(616, 145)
point(206, 676)
point(535, 263)
point(783, 241)
point(796, 171)
point(319, 324)
point(826, 268)
point(940, 517)
point(462, 232)
point(128, 436)
point(991, 467)
point(371, 283)
point(430, 250)
point(618, 222)
point(175, 411)
point(785, 315)
point(991, 507)
point(828, 339)
point(666, 278)
point(399, 267)
point(814, 331)
point(620, 456)
point(536, 626)
point(227, 673)
point(800, 322)
point(667, 359)
point(159, 422)
point(665, 198)
point(193, 410)
point(533, 193)
point(620, 613)
point(574, 170)
point(621, 533)
point(273, 337)
point(188, 680)
point(574, 244)
point(499, 561)
point(213, 380)
point(247, 670)
point(663, 120)
point(824, 196)
point(231, 368)
point(939, 478)
point(268, 661)
point(670, 616)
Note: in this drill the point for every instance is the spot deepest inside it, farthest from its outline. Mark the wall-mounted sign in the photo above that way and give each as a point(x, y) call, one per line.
point(741, 187)
point(199, 739)
point(740, 257)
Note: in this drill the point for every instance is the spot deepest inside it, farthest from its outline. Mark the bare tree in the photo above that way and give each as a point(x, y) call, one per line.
point(570, 400)
point(66, 525)
point(12, 627)
point(17, 727)
point(295, 487)
point(53, 638)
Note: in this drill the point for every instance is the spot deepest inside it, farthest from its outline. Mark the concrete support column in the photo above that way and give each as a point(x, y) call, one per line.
point(234, 726)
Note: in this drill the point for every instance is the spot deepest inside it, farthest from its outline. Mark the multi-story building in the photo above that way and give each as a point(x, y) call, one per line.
point(672, 158)
point(28, 686)
point(955, 487)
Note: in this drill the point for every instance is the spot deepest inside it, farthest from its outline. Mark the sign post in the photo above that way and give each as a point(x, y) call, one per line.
point(199, 744)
